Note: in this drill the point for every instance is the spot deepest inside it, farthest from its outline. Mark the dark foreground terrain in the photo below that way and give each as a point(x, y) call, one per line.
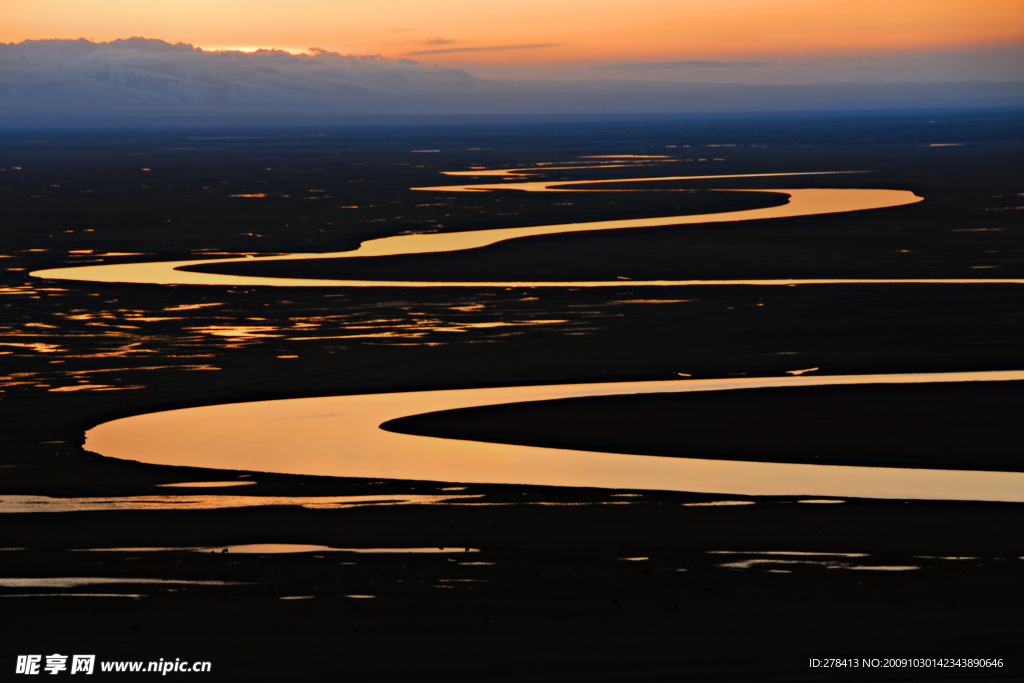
point(567, 584)
point(551, 594)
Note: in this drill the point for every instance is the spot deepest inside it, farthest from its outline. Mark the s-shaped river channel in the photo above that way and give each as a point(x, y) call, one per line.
point(341, 435)
point(802, 202)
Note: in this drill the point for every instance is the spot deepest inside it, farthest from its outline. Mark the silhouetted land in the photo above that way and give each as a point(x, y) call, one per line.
point(970, 426)
point(558, 603)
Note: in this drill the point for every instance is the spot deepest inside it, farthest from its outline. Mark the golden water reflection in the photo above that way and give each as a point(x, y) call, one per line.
point(76, 581)
point(206, 484)
point(134, 596)
point(283, 548)
point(802, 202)
point(20, 504)
point(340, 436)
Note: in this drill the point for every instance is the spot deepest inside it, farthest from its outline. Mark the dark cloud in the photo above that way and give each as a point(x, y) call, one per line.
point(439, 41)
point(695, 64)
point(493, 48)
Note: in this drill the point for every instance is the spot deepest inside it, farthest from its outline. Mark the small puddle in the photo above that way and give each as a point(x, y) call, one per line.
point(20, 504)
point(135, 596)
point(778, 558)
point(718, 503)
point(747, 564)
point(784, 552)
point(263, 548)
point(75, 582)
point(883, 568)
point(438, 549)
point(277, 549)
point(205, 484)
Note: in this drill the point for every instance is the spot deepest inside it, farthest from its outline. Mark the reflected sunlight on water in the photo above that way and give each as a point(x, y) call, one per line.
point(19, 504)
point(345, 440)
point(263, 435)
point(281, 548)
point(74, 582)
point(802, 202)
point(206, 484)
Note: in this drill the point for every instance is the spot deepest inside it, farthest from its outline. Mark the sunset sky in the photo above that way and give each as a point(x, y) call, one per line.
point(529, 36)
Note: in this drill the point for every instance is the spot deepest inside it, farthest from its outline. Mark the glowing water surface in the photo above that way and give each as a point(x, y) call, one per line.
point(21, 504)
point(206, 484)
point(76, 581)
point(283, 548)
point(802, 202)
point(340, 436)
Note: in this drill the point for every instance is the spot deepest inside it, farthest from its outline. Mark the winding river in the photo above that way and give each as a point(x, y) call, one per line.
point(341, 435)
point(802, 202)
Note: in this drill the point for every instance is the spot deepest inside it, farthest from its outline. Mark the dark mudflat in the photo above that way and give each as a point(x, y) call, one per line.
point(556, 604)
point(969, 426)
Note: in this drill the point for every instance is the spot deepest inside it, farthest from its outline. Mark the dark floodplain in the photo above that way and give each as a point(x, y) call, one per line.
point(729, 587)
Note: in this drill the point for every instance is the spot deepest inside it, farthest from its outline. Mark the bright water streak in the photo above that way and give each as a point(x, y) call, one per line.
point(802, 202)
point(340, 436)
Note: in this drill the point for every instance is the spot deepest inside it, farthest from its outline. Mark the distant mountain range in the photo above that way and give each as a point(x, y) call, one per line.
point(65, 82)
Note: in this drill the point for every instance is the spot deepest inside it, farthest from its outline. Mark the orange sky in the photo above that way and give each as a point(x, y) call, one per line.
point(534, 31)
